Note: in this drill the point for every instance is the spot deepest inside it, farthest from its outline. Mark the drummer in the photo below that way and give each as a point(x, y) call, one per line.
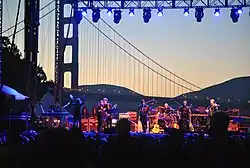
point(167, 108)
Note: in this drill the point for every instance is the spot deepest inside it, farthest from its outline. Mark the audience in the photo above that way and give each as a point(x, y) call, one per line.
point(61, 148)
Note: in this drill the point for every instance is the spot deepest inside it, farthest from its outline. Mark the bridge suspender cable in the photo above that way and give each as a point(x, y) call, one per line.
point(15, 27)
point(8, 29)
point(137, 58)
point(148, 56)
point(39, 18)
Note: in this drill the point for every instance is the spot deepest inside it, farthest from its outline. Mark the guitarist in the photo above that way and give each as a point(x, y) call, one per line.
point(144, 109)
point(185, 111)
point(211, 109)
point(107, 109)
point(100, 115)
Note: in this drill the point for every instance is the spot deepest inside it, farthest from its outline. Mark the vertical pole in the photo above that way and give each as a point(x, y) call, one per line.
point(1, 41)
point(31, 25)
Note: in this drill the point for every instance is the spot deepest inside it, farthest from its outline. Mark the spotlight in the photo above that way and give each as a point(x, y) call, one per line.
point(95, 15)
point(131, 12)
point(117, 16)
point(84, 12)
point(199, 14)
point(109, 12)
point(78, 16)
point(234, 15)
point(146, 15)
point(217, 12)
point(160, 12)
point(240, 10)
point(186, 12)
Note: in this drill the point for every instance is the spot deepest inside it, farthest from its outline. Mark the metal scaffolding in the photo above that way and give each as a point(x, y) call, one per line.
point(31, 25)
point(170, 4)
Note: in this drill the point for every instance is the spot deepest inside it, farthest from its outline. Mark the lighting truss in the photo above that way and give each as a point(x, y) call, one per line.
point(169, 4)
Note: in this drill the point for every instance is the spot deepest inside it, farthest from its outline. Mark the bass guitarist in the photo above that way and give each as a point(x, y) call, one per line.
point(107, 109)
point(100, 115)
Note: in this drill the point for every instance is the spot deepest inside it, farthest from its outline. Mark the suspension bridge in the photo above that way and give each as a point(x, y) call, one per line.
point(105, 56)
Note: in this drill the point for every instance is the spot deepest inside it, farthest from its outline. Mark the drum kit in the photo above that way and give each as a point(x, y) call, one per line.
point(159, 120)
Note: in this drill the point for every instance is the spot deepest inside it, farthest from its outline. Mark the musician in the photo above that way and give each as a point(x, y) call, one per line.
point(100, 115)
point(144, 109)
point(211, 109)
point(107, 109)
point(167, 108)
point(185, 111)
point(77, 112)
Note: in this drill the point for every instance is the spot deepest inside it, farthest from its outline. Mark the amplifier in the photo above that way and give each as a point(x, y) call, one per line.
point(93, 124)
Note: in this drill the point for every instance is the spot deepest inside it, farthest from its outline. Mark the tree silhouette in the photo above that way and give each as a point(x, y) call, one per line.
point(15, 68)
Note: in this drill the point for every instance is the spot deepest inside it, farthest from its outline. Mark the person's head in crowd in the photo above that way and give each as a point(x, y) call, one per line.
point(219, 124)
point(123, 127)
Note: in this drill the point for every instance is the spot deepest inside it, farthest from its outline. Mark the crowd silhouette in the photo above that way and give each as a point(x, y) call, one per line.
point(61, 148)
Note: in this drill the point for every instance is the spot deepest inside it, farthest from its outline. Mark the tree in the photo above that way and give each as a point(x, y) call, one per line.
point(41, 75)
point(15, 68)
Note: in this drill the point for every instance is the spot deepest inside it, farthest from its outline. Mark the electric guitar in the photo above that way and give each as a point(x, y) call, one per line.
point(112, 108)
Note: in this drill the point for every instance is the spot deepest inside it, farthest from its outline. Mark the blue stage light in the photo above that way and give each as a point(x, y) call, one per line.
point(131, 12)
point(109, 12)
point(240, 10)
point(186, 12)
point(84, 12)
point(160, 12)
point(95, 15)
point(199, 14)
point(217, 12)
point(234, 15)
point(146, 15)
point(117, 16)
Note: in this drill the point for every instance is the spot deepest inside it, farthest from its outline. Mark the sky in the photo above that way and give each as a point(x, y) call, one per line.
point(205, 53)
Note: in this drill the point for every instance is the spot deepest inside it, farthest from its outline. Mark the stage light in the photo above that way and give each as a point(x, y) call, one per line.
point(78, 16)
point(109, 12)
point(217, 12)
point(131, 12)
point(84, 12)
point(234, 15)
point(240, 10)
point(146, 15)
point(160, 12)
point(95, 15)
point(186, 12)
point(199, 14)
point(117, 16)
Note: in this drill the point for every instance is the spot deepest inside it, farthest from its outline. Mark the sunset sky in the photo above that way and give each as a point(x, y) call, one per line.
point(204, 53)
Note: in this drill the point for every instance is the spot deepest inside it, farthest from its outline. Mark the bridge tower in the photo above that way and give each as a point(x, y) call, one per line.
point(31, 31)
point(61, 42)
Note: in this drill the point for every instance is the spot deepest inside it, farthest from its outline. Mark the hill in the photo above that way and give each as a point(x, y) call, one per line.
point(105, 89)
point(234, 89)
